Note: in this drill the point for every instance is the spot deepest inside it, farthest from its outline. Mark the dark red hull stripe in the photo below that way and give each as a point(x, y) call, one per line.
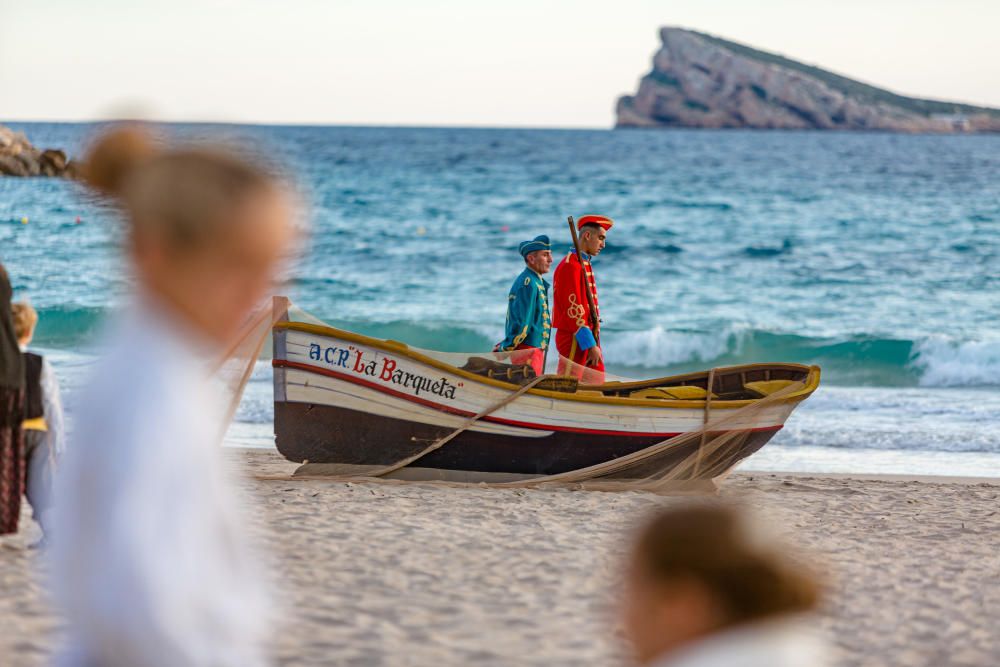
point(283, 363)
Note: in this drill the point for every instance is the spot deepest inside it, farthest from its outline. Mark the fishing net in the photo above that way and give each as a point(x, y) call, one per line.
point(731, 423)
point(704, 457)
point(692, 462)
point(235, 367)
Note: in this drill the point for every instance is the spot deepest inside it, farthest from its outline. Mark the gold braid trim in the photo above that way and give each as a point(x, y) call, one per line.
point(576, 311)
point(521, 336)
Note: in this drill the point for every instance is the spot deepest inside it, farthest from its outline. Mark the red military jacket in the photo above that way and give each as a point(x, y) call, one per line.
point(571, 310)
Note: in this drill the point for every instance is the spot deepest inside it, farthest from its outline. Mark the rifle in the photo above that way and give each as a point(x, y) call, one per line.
point(595, 324)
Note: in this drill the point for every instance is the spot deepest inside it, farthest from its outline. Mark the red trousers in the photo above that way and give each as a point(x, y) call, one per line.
point(569, 350)
point(524, 354)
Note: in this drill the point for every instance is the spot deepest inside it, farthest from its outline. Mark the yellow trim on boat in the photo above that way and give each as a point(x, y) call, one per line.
point(767, 387)
point(36, 424)
point(811, 380)
point(683, 393)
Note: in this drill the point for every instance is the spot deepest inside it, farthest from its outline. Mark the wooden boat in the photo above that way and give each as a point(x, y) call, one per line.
point(364, 403)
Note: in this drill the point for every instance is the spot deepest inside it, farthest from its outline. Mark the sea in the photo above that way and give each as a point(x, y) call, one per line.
point(872, 255)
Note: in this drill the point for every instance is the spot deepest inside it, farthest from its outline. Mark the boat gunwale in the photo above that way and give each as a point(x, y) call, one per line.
point(811, 380)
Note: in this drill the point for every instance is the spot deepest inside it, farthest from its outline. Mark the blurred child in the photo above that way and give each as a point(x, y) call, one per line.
point(151, 562)
point(11, 415)
point(43, 418)
point(700, 592)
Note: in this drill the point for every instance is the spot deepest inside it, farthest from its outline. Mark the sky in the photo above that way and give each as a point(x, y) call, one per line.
point(515, 63)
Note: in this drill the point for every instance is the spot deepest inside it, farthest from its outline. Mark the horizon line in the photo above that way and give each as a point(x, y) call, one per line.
point(415, 126)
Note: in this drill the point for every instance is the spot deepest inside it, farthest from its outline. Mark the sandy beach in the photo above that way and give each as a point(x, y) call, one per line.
point(417, 575)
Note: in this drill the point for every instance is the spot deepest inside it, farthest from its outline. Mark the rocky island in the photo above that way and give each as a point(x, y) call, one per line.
point(18, 157)
point(703, 81)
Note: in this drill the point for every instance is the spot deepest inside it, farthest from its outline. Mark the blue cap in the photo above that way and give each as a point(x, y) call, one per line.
point(538, 243)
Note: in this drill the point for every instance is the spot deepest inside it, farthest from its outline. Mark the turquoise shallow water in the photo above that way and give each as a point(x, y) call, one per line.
point(872, 255)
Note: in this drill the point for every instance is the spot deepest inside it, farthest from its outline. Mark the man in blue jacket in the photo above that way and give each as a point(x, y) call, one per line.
point(528, 317)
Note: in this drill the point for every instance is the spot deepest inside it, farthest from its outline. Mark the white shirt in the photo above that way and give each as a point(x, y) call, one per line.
point(150, 562)
point(779, 643)
point(52, 411)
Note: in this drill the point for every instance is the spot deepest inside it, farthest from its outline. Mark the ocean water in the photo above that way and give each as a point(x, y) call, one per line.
point(872, 255)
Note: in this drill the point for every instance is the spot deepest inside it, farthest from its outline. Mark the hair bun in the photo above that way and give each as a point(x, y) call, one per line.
point(115, 155)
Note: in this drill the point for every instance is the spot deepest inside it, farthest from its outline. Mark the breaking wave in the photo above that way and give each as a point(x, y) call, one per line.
point(658, 347)
point(946, 363)
point(64, 327)
point(856, 360)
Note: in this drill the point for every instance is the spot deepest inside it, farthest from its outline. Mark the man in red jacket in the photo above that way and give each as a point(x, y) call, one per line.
point(577, 330)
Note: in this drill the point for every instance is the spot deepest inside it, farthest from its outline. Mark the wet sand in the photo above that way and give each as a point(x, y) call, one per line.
point(406, 574)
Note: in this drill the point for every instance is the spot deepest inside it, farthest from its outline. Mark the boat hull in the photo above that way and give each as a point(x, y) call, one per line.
point(362, 404)
point(328, 434)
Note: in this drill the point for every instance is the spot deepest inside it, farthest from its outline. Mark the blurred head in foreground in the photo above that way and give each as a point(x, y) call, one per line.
point(694, 576)
point(206, 229)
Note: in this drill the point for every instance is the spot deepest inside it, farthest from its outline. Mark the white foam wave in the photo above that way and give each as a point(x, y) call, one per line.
point(949, 363)
point(658, 347)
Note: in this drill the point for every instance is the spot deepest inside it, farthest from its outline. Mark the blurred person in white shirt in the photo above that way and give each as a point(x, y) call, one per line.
point(151, 561)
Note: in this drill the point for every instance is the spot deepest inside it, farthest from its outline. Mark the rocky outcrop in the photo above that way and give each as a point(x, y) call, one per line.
point(699, 80)
point(19, 158)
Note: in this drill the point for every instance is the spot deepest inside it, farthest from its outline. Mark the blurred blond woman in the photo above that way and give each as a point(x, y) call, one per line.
point(151, 561)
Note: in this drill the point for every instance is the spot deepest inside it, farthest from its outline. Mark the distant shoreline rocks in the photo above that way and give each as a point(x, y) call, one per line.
point(18, 157)
point(702, 81)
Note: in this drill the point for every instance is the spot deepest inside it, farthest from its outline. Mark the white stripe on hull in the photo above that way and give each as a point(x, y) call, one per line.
point(305, 387)
point(545, 414)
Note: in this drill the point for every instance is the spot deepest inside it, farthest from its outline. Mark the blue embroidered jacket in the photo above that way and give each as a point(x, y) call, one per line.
point(528, 319)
